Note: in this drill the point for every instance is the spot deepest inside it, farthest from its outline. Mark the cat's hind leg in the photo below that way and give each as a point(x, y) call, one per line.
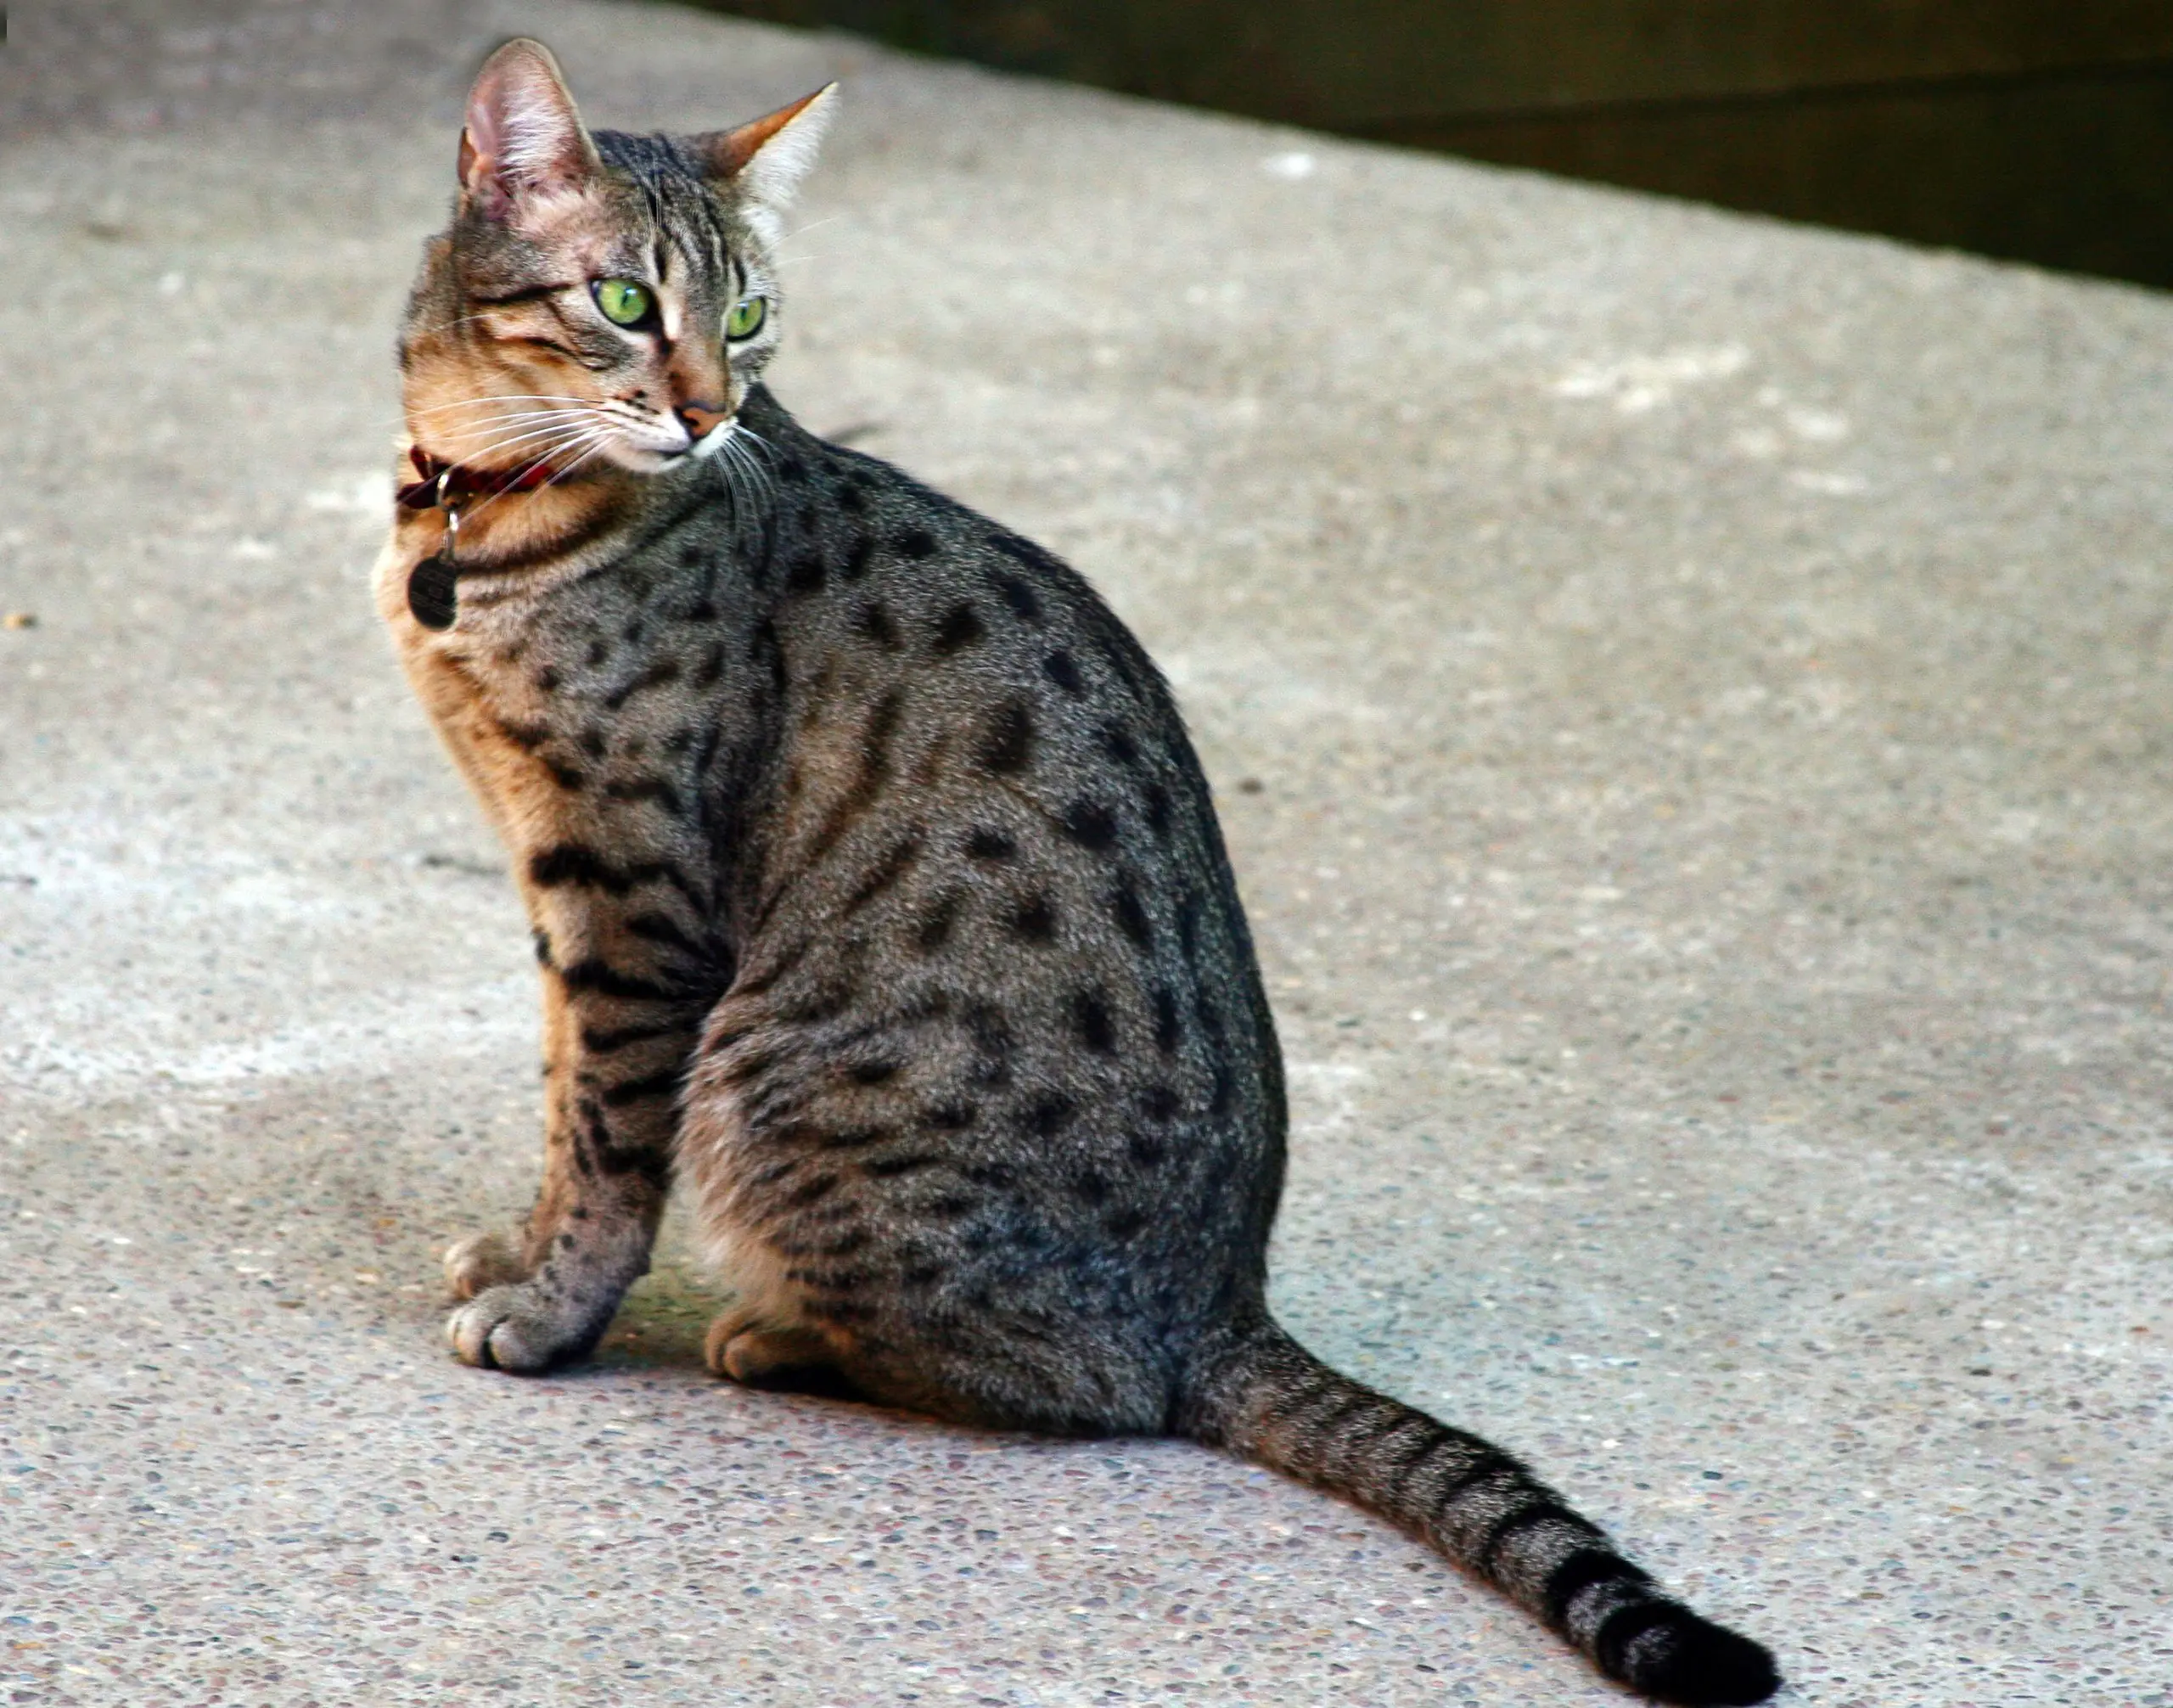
point(764, 1339)
point(795, 1360)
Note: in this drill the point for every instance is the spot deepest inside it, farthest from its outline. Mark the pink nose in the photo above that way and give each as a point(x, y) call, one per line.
point(700, 418)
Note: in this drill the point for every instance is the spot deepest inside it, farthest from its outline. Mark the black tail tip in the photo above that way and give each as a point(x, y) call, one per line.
point(1673, 1655)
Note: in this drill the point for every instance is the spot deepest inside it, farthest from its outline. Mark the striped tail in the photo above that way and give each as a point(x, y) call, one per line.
point(1271, 1401)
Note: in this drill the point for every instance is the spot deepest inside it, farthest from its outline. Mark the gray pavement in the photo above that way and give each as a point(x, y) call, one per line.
point(1688, 701)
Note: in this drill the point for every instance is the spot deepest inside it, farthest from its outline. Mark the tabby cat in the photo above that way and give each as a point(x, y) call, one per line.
point(877, 893)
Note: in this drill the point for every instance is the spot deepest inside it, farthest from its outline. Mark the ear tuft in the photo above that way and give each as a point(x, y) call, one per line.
point(767, 157)
point(524, 136)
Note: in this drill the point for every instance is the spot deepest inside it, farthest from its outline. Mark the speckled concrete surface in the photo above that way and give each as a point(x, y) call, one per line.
point(1689, 702)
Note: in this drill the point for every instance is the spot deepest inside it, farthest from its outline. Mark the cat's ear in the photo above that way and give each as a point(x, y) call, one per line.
point(767, 157)
point(523, 136)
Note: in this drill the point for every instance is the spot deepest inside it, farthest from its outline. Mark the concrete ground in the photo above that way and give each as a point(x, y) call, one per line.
point(1688, 699)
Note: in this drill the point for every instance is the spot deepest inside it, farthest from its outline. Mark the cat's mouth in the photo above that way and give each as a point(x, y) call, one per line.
point(565, 431)
point(570, 438)
point(669, 442)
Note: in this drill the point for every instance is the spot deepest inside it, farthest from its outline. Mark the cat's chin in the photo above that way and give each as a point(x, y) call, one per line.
point(643, 459)
point(640, 459)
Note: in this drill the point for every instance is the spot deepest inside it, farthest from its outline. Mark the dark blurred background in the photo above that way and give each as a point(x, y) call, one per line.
point(2026, 129)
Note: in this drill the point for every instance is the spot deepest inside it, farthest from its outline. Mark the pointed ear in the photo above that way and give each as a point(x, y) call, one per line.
point(523, 136)
point(769, 156)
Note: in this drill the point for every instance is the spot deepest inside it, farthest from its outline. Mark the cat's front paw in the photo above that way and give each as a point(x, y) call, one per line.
point(481, 1262)
point(518, 1328)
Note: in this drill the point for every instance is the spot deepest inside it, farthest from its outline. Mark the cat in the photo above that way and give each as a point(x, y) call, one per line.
point(878, 897)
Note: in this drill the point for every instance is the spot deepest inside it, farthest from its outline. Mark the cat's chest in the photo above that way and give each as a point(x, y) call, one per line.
point(590, 717)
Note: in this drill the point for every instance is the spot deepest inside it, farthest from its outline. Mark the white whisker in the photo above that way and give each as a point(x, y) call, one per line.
point(529, 446)
point(747, 479)
point(785, 244)
point(504, 397)
point(734, 485)
point(602, 440)
point(530, 430)
point(594, 437)
point(754, 443)
point(443, 325)
point(557, 476)
point(504, 418)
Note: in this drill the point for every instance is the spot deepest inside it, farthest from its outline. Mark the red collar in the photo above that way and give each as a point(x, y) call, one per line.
point(444, 485)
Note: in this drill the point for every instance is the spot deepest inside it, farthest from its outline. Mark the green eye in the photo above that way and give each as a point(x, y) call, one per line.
point(747, 316)
point(625, 302)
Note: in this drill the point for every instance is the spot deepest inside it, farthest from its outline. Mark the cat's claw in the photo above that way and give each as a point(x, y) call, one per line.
point(513, 1328)
point(479, 1262)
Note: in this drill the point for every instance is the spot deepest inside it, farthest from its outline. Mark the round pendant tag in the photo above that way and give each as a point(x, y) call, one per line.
point(433, 594)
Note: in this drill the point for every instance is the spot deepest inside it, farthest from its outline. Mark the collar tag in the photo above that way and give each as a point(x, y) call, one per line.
point(433, 592)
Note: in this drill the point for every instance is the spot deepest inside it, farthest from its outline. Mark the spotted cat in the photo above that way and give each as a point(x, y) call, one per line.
point(878, 895)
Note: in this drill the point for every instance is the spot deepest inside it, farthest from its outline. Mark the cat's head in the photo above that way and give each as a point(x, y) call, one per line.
point(599, 300)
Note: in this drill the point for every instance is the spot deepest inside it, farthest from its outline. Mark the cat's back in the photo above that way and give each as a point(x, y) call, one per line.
point(947, 680)
point(997, 997)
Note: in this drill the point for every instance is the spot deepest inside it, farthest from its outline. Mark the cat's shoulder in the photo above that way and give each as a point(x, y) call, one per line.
point(917, 521)
point(978, 577)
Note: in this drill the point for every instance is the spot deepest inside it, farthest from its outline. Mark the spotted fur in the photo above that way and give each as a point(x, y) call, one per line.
point(877, 896)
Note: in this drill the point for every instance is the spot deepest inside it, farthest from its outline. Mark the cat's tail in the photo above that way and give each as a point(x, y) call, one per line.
point(1267, 1399)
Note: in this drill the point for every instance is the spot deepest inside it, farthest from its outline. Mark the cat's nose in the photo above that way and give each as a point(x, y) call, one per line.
point(700, 418)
